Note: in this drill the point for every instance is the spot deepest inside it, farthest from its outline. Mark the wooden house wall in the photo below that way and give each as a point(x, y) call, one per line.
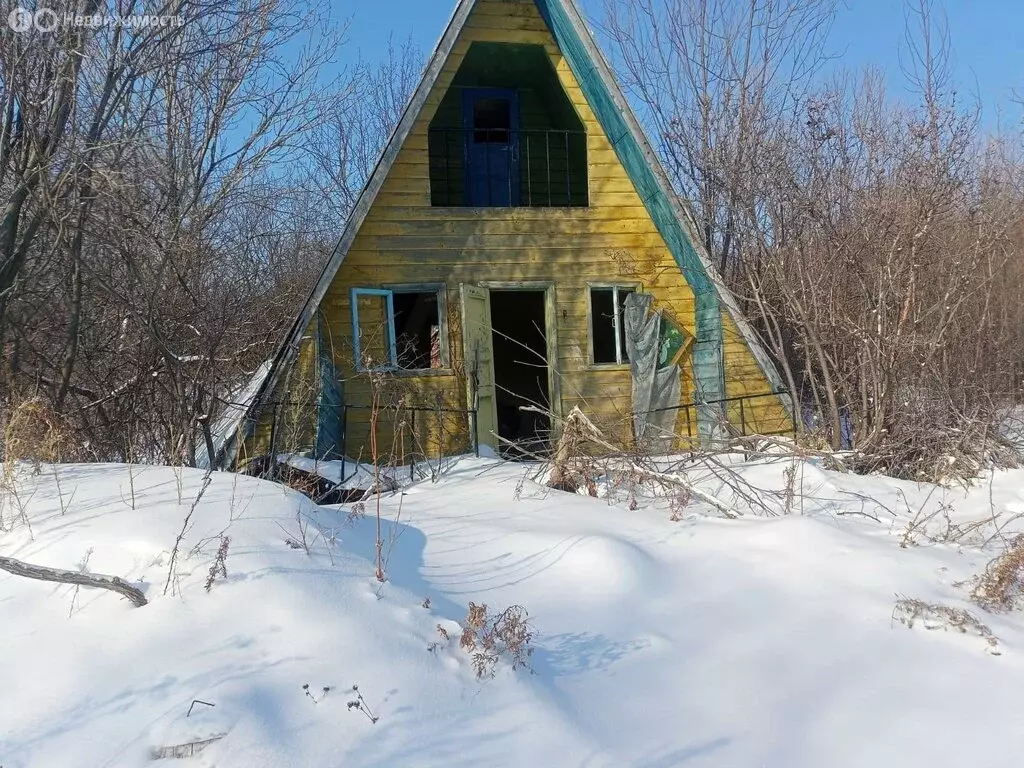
point(405, 241)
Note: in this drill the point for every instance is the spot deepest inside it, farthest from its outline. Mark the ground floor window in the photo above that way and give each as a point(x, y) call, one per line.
point(608, 324)
point(399, 328)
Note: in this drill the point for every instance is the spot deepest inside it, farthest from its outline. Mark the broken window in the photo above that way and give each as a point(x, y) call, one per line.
point(397, 328)
point(418, 330)
point(673, 341)
point(608, 324)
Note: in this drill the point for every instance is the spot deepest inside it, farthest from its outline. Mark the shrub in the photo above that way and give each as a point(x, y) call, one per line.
point(999, 588)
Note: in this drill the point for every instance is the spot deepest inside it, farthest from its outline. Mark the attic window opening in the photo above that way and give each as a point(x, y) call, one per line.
point(506, 134)
point(608, 324)
point(492, 120)
point(398, 329)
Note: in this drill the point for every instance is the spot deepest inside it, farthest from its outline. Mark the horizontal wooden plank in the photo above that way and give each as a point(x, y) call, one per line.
point(510, 226)
point(482, 215)
point(559, 249)
point(478, 34)
point(579, 241)
point(599, 148)
point(414, 159)
point(393, 194)
point(498, 23)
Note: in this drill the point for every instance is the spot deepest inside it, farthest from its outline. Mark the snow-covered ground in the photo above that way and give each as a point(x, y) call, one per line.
point(758, 641)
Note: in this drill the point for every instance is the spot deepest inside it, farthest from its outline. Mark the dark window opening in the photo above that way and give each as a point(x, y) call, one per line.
point(417, 330)
point(608, 324)
point(521, 371)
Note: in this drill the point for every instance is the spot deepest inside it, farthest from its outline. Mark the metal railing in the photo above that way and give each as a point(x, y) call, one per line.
point(408, 421)
point(403, 419)
point(438, 413)
point(740, 405)
point(535, 168)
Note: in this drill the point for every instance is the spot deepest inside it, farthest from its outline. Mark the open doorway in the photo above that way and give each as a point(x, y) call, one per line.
point(521, 369)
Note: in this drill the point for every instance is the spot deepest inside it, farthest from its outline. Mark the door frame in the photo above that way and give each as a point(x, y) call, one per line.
point(547, 287)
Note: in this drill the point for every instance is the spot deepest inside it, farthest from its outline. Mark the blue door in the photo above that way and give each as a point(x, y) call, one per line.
point(491, 122)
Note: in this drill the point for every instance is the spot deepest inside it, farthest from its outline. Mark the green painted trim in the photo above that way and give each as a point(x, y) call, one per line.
point(708, 366)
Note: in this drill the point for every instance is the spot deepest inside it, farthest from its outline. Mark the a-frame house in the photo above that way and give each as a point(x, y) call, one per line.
point(489, 261)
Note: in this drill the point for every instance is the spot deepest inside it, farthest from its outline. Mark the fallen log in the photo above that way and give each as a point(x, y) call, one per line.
point(78, 578)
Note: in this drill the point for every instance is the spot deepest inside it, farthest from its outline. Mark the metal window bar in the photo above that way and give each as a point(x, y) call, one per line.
point(615, 321)
point(487, 175)
point(547, 163)
point(568, 175)
point(513, 149)
point(529, 174)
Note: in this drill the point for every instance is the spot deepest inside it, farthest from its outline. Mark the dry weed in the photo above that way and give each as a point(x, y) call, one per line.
point(489, 638)
point(908, 611)
point(219, 568)
point(34, 433)
point(1000, 587)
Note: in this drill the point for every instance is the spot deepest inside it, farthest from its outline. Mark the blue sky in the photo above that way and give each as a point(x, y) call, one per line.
point(987, 36)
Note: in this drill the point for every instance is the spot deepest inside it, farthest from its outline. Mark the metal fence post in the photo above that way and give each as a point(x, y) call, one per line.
point(273, 440)
point(412, 434)
point(344, 439)
point(440, 438)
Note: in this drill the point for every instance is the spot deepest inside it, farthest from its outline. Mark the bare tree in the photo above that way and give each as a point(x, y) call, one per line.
point(160, 266)
point(717, 82)
point(875, 243)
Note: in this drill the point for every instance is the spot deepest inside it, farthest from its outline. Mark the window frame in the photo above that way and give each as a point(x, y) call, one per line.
point(388, 293)
point(621, 361)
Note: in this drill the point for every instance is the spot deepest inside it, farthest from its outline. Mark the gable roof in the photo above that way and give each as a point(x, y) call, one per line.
point(670, 214)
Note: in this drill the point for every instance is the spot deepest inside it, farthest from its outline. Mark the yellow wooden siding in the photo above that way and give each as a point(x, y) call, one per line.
point(406, 241)
point(743, 378)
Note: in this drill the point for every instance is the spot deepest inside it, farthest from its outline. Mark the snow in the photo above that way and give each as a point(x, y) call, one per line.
point(767, 640)
point(350, 474)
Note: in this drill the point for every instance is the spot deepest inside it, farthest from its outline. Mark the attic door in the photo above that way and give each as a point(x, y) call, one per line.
point(491, 129)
